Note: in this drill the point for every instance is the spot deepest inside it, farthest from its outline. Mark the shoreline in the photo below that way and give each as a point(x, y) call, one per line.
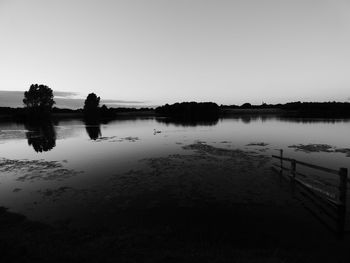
point(289, 110)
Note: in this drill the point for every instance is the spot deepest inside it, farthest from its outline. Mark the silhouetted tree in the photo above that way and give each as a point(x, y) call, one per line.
point(39, 99)
point(106, 113)
point(91, 105)
point(41, 135)
point(104, 108)
point(191, 111)
point(246, 105)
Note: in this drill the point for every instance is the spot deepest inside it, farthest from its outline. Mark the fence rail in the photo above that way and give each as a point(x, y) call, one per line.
point(325, 169)
point(337, 202)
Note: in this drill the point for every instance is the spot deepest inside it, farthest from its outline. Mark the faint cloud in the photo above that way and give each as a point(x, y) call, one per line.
point(65, 94)
point(123, 101)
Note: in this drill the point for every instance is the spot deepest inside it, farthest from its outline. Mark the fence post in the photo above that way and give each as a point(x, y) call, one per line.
point(293, 168)
point(343, 178)
point(281, 155)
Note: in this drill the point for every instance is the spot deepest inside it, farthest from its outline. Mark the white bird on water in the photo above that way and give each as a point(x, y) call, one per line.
point(155, 131)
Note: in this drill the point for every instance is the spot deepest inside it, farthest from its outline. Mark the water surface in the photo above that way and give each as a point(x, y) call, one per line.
point(54, 171)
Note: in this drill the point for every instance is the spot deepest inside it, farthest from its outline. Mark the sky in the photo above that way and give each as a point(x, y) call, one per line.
point(155, 52)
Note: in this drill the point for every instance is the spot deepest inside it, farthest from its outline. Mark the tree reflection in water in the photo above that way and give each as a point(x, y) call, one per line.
point(41, 135)
point(93, 129)
point(189, 122)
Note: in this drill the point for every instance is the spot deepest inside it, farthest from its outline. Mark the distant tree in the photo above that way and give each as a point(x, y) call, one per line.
point(39, 99)
point(91, 105)
point(104, 108)
point(190, 111)
point(246, 105)
point(106, 113)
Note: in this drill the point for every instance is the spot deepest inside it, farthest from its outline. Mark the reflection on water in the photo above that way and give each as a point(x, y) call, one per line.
point(98, 153)
point(41, 135)
point(247, 118)
point(189, 122)
point(93, 129)
point(326, 201)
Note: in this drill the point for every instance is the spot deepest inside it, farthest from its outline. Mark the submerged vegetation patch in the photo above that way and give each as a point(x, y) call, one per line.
point(53, 194)
point(29, 170)
point(257, 144)
point(202, 148)
point(312, 147)
point(208, 175)
point(116, 139)
point(9, 165)
point(309, 148)
point(130, 139)
point(344, 150)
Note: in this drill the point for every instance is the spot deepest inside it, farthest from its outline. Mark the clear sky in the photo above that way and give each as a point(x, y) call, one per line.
point(164, 51)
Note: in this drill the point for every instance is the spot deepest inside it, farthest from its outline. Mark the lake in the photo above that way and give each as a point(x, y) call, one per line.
point(70, 169)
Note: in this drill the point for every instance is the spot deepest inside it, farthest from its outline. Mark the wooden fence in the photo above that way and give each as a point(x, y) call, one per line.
point(336, 202)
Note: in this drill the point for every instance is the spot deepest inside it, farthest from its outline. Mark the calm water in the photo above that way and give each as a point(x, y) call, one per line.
point(41, 164)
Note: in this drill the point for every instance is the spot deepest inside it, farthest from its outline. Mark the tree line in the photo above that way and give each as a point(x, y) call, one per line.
point(330, 109)
point(190, 111)
point(39, 101)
